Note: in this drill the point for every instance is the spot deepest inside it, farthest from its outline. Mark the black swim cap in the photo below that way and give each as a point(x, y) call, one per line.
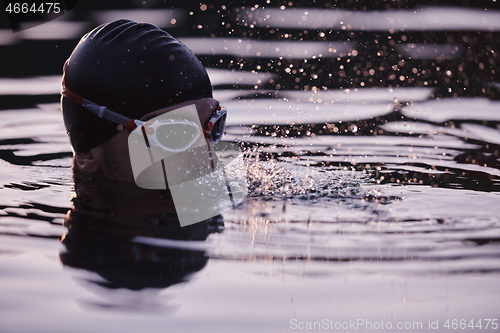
point(131, 68)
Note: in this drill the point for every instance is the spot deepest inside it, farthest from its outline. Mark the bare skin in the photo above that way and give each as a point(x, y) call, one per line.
point(112, 158)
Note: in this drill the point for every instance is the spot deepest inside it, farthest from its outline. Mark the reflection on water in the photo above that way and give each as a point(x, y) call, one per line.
point(267, 49)
point(379, 203)
point(430, 18)
point(105, 219)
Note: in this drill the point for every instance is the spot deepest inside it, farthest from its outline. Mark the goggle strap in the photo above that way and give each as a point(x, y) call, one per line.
point(131, 124)
point(75, 98)
point(98, 110)
point(104, 112)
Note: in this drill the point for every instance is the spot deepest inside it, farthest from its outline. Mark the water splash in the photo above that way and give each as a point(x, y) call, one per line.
point(271, 178)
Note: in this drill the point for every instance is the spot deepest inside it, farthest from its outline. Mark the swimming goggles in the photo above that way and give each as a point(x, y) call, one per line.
point(173, 135)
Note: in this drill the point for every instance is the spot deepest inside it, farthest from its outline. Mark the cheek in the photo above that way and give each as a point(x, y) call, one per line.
point(121, 157)
point(120, 147)
point(126, 166)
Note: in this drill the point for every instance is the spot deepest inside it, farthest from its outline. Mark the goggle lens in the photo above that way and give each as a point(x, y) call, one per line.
point(216, 125)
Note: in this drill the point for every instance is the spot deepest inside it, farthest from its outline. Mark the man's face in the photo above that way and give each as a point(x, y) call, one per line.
point(116, 164)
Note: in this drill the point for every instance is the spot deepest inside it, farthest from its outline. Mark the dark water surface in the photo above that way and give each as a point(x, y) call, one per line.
point(338, 226)
point(365, 205)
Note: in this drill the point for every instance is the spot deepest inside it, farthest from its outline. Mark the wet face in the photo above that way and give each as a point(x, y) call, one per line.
point(112, 158)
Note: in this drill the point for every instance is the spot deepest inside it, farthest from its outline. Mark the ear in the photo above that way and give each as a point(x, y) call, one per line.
point(90, 161)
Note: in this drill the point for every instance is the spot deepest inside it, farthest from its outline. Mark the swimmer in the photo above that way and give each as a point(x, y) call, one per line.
point(138, 107)
point(129, 71)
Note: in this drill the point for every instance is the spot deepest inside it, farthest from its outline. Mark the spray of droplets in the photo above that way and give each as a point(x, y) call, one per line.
point(273, 179)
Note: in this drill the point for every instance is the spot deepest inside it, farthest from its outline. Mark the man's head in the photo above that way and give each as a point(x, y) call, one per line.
point(133, 69)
